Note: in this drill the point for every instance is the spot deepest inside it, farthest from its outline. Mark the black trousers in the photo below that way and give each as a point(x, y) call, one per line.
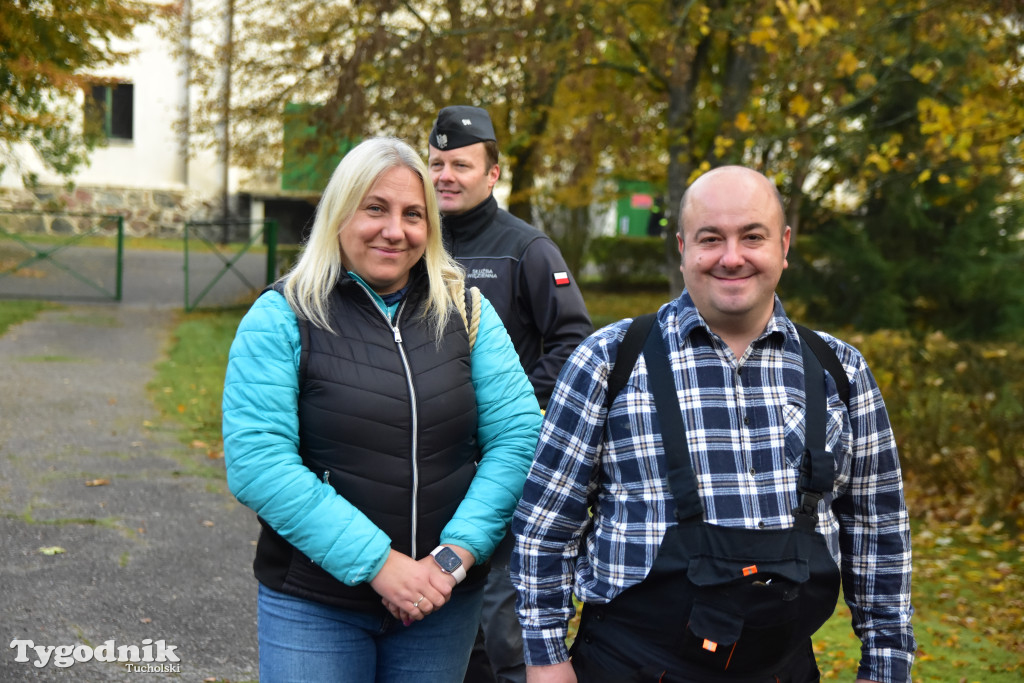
point(596, 664)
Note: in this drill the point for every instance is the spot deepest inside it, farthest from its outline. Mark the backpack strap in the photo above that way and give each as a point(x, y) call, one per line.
point(629, 351)
point(468, 303)
point(826, 355)
point(474, 317)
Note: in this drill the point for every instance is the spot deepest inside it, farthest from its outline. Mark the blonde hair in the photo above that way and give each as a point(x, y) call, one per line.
point(308, 285)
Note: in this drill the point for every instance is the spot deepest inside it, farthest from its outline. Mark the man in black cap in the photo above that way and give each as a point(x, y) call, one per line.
point(522, 273)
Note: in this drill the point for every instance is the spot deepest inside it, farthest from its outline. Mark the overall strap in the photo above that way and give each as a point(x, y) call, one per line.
point(681, 479)
point(828, 359)
point(817, 465)
point(629, 351)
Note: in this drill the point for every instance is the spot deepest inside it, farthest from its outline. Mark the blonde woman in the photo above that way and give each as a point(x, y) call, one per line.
point(382, 450)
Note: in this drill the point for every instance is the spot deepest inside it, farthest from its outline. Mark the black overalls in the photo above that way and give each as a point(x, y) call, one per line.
point(720, 603)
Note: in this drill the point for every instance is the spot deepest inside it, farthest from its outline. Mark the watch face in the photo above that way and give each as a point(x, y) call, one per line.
point(448, 559)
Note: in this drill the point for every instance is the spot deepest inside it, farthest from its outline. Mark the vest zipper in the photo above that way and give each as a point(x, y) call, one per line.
point(412, 407)
point(415, 430)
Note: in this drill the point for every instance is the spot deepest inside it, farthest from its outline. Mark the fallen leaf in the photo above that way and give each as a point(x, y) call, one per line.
point(97, 482)
point(215, 455)
point(52, 550)
point(145, 620)
point(112, 401)
point(199, 444)
point(207, 523)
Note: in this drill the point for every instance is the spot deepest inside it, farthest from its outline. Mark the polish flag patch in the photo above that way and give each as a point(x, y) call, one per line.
point(561, 278)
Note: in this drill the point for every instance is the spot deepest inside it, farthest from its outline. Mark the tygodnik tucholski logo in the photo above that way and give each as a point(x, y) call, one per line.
point(150, 657)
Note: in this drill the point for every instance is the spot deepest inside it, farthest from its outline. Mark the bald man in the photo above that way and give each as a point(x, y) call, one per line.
point(707, 507)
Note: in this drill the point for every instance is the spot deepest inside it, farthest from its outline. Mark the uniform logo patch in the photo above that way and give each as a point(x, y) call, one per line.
point(442, 141)
point(561, 278)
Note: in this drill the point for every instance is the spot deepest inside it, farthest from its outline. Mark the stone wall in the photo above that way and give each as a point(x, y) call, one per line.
point(147, 213)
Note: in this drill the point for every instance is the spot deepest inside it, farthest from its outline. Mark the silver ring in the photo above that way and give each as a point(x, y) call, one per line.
point(417, 603)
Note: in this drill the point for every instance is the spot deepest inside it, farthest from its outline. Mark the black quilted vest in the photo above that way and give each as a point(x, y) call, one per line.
point(390, 425)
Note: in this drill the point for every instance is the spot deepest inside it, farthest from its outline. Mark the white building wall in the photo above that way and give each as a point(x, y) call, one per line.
point(157, 157)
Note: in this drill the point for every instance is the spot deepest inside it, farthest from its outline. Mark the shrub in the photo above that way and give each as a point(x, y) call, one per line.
point(626, 260)
point(958, 417)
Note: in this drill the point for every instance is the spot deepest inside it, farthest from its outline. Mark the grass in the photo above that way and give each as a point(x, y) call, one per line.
point(968, 595)
point(175, 244)
point(189, 382)
point(14, 312)
point(606, 307)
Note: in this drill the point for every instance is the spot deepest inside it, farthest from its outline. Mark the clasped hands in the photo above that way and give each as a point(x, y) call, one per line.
point(412, 589)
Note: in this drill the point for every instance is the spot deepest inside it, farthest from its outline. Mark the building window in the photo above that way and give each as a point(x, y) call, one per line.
point(109, 108)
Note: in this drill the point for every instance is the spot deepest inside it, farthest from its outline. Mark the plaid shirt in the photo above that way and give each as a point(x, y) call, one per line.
point(597, 503)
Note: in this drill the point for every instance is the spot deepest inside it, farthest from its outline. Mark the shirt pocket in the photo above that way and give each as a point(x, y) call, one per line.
point(793, 427)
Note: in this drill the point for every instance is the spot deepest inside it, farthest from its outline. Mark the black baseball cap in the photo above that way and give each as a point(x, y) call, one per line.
point(461, 125)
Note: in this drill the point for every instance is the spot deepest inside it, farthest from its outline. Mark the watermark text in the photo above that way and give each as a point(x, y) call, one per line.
point(63, 656)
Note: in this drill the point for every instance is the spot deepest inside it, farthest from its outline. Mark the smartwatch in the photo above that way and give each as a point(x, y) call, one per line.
point(449, 562)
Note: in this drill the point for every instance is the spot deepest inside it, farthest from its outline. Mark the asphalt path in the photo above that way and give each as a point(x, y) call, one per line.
point(113, 532)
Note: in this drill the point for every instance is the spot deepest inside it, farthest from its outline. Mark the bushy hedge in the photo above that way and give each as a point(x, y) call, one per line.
point(958, 416)
point(626, 260)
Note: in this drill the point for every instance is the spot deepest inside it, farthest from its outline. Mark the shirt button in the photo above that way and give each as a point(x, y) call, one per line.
point(752, 472)
point(746, 420)
point(760, 525)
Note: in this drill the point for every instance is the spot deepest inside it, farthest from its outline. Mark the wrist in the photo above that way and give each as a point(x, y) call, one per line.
point(449, 562)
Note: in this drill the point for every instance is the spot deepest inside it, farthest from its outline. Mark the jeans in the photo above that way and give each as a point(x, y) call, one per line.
point(302, 641)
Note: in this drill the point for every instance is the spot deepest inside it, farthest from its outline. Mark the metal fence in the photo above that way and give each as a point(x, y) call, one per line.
point(60, 255)
point(237, 248)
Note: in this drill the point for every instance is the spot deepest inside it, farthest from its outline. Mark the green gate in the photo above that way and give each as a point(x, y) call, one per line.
point(60, 255)
point(228, 246)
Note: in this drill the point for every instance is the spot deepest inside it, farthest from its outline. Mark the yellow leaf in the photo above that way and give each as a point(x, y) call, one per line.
point(97, 482)
point(878, 160)
point(799, 106)
point(924, 176)
point(866, 81)
point(742, 122)
point(922, 73)
point(52, 550)
point(995, 455)
point(848, 63)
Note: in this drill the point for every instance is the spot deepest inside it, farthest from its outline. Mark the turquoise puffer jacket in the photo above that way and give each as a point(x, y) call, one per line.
point(266, 474)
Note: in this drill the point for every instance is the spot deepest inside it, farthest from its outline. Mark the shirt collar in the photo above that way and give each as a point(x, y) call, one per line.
point(688, 319)
point(466, 225)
